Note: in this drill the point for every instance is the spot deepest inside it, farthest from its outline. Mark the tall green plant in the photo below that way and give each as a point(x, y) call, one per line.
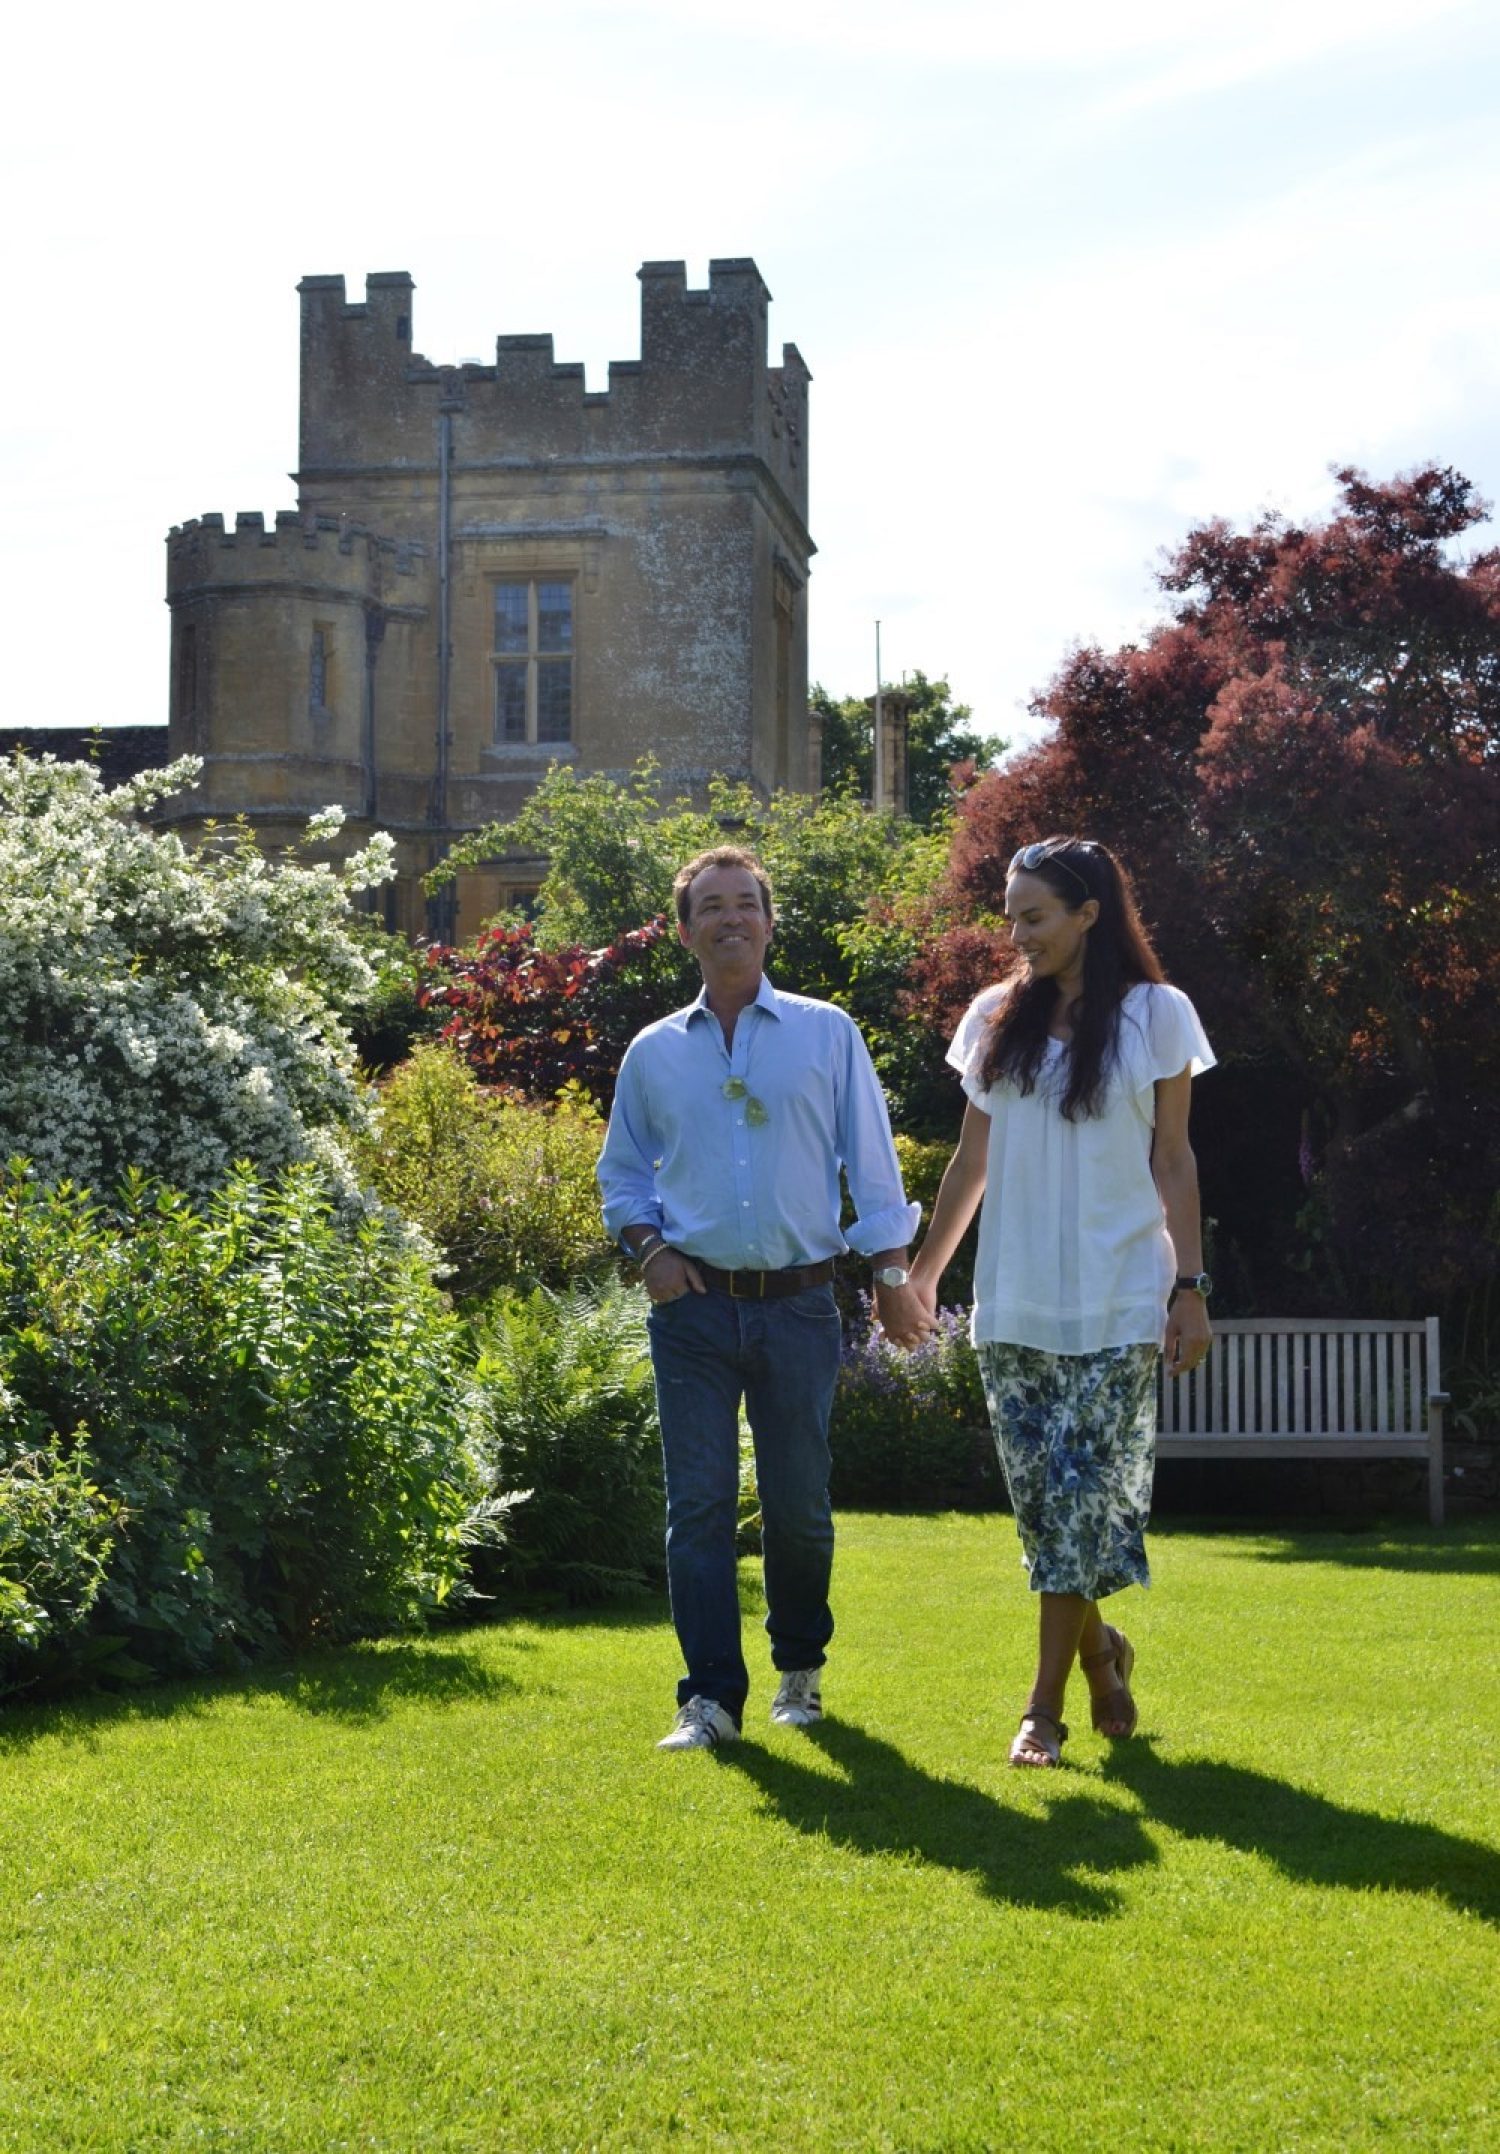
point(571, 1424)
point(235, 1428)
point(504, 1188)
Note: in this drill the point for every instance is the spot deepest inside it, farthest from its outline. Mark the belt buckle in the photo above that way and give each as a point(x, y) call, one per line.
point(736, 1295)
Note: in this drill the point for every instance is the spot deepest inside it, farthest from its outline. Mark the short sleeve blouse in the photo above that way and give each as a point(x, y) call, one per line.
point(1074, 1253)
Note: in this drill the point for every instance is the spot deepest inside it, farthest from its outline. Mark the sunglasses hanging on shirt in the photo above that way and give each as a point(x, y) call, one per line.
point(757, 1114)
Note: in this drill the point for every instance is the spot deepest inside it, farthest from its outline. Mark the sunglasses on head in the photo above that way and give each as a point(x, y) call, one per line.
point(1032, 857)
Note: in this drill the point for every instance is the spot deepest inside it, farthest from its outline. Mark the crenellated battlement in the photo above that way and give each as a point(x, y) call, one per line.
point(702, 385)
point(334, 551)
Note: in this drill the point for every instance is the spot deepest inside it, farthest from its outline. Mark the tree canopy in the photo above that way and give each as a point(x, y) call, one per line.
point(940, 735)
point(842, 877)
point(1301, 766)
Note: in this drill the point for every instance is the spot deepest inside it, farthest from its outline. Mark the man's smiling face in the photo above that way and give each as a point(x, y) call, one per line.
point(727, 927)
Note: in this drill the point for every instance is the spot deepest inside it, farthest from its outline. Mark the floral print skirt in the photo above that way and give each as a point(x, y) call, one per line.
point(1076, 1435)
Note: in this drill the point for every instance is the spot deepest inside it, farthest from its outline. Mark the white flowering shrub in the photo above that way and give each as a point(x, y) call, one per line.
point(170, 1008)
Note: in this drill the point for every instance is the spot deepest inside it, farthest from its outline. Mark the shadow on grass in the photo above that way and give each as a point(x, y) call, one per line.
point(886, 1805)
point(1307, 1837)
point(629, 1608)
point(363, 1683)
point(358, 1684)
point(1467, 1551)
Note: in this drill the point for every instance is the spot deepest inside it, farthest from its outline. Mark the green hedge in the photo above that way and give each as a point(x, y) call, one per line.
point(505, 1188)
point(221, 1431)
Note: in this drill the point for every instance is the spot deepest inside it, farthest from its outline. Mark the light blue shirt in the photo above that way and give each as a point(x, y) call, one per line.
point(720, 1183)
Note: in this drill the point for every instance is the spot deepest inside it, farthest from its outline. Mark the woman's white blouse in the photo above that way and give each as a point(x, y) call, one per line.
point(1074, 1252)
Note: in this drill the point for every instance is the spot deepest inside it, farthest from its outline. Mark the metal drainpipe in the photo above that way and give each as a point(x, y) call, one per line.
point(374, 632)
point(442, 906)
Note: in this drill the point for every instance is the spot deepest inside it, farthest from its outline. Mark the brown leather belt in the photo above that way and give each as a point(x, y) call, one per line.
point(765, 1285)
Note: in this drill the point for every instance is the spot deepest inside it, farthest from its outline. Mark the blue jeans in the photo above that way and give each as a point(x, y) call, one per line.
point(782, 1357)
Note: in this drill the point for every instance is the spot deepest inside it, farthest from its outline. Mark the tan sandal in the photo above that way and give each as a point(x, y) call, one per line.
point(1029, 1734)
point(1118, 1704)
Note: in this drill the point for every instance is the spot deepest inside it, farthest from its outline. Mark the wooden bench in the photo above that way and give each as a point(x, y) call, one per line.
point(1302, 1388)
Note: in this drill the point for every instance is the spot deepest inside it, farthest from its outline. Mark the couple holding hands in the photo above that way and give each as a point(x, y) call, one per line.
point(720, 1173)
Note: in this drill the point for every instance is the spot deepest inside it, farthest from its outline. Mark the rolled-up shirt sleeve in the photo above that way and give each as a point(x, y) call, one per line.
point(627, 1163)
point(884, 1219)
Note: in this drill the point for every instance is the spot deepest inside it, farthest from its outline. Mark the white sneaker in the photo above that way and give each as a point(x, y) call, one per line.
point(701, 1724)
point(799, 1701)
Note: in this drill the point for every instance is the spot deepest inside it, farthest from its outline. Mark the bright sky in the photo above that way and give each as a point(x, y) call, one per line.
point(1068, 279)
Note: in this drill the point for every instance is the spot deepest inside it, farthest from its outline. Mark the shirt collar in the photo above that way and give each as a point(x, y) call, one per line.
point(766, 998)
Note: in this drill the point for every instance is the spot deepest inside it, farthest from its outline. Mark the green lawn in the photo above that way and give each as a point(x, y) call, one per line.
point(448, 1895)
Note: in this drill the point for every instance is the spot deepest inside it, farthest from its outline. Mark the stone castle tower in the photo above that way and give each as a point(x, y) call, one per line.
point(490, 569)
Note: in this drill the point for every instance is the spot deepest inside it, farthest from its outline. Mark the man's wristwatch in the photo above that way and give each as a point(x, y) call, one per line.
point(1193, 1282)
point(891, 1275)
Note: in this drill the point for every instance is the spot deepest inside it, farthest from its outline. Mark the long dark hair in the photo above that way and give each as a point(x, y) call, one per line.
point(1117, 955)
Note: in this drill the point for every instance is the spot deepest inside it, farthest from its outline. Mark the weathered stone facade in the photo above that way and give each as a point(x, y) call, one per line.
point(489, 569)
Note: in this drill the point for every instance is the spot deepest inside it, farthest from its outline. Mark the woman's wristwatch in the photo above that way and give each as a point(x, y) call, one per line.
point(1193, 1282)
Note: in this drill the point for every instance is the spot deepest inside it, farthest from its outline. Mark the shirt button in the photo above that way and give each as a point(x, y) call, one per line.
point(744, 1204)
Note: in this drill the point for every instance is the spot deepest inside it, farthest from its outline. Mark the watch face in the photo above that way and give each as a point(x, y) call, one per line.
point(891, 1275)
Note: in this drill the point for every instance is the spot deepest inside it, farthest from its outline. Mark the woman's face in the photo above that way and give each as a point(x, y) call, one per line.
point(1048, 935)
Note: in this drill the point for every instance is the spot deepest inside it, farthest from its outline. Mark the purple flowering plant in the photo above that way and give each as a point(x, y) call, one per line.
point(909, 1429)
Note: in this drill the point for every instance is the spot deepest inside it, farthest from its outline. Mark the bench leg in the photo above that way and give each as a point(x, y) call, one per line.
point(1435, 1466)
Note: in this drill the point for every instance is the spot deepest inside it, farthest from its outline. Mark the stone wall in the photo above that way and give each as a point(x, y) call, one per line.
point(118, 752)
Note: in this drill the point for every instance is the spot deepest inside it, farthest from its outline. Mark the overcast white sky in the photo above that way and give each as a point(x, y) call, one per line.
point(1068, 280)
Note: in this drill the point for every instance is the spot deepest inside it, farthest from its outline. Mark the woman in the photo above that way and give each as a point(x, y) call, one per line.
point(1077, 1071)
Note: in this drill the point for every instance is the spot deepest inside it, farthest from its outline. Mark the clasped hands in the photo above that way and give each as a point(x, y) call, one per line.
point(908, 1314)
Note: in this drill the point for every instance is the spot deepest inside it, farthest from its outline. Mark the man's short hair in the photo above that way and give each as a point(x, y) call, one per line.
point(718, 856)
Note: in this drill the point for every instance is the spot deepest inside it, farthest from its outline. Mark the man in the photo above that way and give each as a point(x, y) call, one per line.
point(720, 1175)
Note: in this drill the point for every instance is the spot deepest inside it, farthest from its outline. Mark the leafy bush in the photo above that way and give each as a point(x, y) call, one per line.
point(503, 1187)
point(572, 1426)
point(533, 1018)
point(55, 1530)
point(924, 1162)
point(852, 892)
point(220, 1430)
point(910, 1430)
point(164, 1008)
point(1298, 763)
point(388, 1019)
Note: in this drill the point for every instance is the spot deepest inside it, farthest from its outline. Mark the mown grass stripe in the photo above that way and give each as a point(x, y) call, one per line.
point(446, 1894)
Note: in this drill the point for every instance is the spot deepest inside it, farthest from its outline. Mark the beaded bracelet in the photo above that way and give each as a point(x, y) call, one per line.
point(655, 1252)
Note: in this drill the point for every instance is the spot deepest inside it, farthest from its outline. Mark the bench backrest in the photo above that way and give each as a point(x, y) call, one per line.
point(1304, 1376)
